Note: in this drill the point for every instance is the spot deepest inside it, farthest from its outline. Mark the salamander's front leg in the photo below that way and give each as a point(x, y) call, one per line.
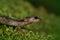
point(19, 28)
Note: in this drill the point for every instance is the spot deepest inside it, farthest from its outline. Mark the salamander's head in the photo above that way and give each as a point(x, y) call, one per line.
point(33, 19)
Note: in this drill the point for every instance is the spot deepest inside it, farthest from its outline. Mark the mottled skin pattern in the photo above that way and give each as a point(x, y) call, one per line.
point(18, 23)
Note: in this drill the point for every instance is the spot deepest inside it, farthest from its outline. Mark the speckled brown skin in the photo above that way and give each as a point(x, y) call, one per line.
point(18, 23)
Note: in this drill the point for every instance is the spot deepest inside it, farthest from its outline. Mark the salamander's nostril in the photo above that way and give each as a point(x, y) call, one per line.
point(36, 17)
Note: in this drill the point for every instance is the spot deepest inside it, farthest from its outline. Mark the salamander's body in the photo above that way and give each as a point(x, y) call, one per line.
point(8, 21)
point(18, 23)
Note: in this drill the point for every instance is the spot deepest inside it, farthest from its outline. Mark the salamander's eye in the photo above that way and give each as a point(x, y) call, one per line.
point(36, 17)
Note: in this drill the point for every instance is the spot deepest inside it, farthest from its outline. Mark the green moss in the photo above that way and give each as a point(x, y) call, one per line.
point(47, 29)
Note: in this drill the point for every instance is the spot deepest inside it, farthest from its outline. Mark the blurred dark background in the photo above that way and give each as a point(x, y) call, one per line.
point(50, 5)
